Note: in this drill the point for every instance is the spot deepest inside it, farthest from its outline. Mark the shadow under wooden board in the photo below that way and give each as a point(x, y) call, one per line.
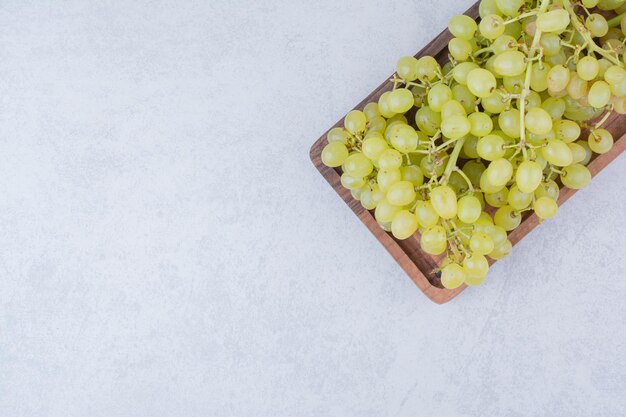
point(418, 265)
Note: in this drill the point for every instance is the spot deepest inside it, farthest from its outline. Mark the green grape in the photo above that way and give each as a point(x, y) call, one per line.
point(507, 218)
point(590, 3)
point(426, 214)
point(337, 134)
point(501, 251)
point(468, 209)
point(386, 226)
point(579, 153)
point(517, 199)
point(494, 104)
point(553, 21)
point(464, 96)
point(351, 182)
point(504, 43)
point(605, 64)
point(510, 7)
point(559, 59)
point(462, 70)
point(355, 121)
point(374, 146)
point(377, 124)
point(566, 130)
point(575, 111)
point(439, 95)
point(600, 141)
point(404, 139)
point(371, 110)
point(497, 199)
point(404, 224)
point(451, 108)
point(510, 63)
point(452, 276)
point(428, 120)
point(334, 154)
point(609, 4)
point(407, 68)
point(460, 49)
point(558, 78)
point(509, 122)
point(481, 243)
point(490, 147)
point(385, 211)
point(371, 197)
point(547, 189)
point(545, 207)
point(556, 152)
point(481, 82)
point(412, 174)
point(499, 172)
point(400, 100)
point(397, 118)
point(455, 126)
point(588, 68)
point(538, 121)
point(390, 159)
point(597, 25)
point(599, 94)
point(444, 201)
point(388, 177)
point(514, 85)
point(473, 170)
point(497, 234)
point(358, 165)
point(401, 193)
point(481, 123)
point(619, 90)
point(551, 44)
point(491, 26)
point(383, 105)
point(356, 193)
point(476, 268)
point(575, 176)
point(469, 147)
point(462, 27)
point(528, 176)
point(619, 104)
point(486, 186)
point(539, 76)
point(431, 166)
point(555, 107)
point(513, 29)
point(427, 68)
point(614, 75)
point(483, 220)
point(433, 240)
point(488, 7)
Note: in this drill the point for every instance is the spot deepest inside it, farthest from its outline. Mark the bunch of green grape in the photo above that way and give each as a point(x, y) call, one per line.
point(492, 131)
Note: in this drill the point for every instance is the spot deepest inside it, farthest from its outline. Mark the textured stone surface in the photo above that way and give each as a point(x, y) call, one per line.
point(167, 249)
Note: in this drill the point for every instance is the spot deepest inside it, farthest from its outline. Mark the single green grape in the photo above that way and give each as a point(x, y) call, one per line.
point(407, 68)
point(476, 268)
point(373, 146)
point(358, 165)
point(400, 100)
point(463, 95)
point(553, 21)
point(444, 201)
point(491, 26)
point(517, 199)
point(509, 121)
point(385, 211)
point(433, 241)
point(401, 193)
point(390, 159)
point(481, 243)
point(558, 78)
point(600, 141)
point(428, 120)
point(494, 104)
point(413, 174)
point(355, 121)
point(350, 182)
point(427, 68)
point(579, 153)
point(548, 189)
point(497, 199)
point(575, 176)
point(334, 154)
point(597, 25)
point(481, 82)
point(538, 121)
point(501, 251)
point(555, 107)
point(539, 76)
point(528, 176)
point(510, 63)
point(455, 126)
point(404, 224)
point(388, 177)
point(462, 26)
point(557, 153)
point(452, 276)
point(490, 147)
point(451, 108)
point(507, 218)
point(404, 138)
point(566, 130)
point(481, 123)
point(426, 214)
point(460, 49)
point(462, 70)
point(545, 207)
point(599, 94)
point(468, 209)
point(337, 134)
point(588, 68)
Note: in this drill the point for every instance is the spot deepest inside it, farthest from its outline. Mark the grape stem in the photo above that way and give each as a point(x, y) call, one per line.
point(616, 20)
point(522, 16)
point(587, 36)
point(464, 176)
point(526, 90)
point(453, 158)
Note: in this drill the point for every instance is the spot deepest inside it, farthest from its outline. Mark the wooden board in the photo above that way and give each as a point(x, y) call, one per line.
point(418, 265)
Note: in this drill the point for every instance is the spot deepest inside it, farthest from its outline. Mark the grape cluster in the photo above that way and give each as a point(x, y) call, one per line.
point(492, 131)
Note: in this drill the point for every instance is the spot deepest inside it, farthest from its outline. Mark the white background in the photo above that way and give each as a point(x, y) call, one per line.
point(167, 248)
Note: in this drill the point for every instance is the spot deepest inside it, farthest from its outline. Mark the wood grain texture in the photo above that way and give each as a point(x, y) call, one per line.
point(418, 265)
